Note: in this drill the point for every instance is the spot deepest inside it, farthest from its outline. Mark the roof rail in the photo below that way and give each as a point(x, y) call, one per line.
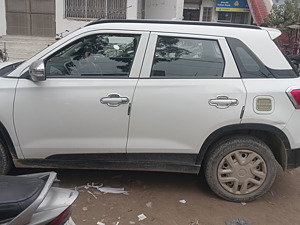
point(100, 21)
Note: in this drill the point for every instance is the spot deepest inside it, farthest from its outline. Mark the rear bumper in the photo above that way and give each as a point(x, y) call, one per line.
point(293, 158)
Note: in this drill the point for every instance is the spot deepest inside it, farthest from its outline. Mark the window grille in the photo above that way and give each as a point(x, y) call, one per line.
point(207, 14)
point(95, 9)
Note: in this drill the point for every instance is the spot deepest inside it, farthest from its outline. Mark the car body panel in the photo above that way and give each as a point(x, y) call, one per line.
point(64, 116)
point(7, 93)
point(276, 90)
point(175, 112)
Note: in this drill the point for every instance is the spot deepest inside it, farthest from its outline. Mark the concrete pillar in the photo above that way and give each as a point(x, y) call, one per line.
point(3, 25)
point(179, 9)
point(132, 9)
point(268, 4)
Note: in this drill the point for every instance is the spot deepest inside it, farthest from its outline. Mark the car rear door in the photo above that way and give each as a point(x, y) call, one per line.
point(189, 87)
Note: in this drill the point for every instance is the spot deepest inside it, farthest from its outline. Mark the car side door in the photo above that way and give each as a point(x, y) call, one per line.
point(189, 88)
point(81, 110)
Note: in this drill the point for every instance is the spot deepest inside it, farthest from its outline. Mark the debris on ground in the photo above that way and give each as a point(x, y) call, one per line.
point(141, 217)
point(92, 194)
point(244, 203)
point(101, 189)
point(238, 222)
point(149, 204)
point(182, 201)
point(88, 186)
point(118, 222)
point(100, 223)
point(112, 190)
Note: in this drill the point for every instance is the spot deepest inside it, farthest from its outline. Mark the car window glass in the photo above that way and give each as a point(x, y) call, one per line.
point(248, 62)
point(187, 58)
point(105, 55)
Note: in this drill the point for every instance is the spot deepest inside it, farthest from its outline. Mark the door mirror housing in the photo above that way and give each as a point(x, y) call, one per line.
point(37, 71)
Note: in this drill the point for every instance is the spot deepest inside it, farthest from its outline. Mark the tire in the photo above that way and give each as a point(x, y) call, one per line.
point(5, 159)
point(240, 168)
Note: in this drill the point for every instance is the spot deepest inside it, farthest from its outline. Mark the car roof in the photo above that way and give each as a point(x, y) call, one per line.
point(176, 22)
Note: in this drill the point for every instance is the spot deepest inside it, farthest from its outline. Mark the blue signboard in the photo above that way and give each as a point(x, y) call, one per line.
point(232, 6)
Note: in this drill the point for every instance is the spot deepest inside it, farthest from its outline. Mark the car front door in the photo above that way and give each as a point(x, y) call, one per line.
point(81, 109)
point(189, 88)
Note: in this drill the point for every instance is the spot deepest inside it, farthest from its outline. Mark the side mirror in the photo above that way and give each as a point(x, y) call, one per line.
point(37, 71)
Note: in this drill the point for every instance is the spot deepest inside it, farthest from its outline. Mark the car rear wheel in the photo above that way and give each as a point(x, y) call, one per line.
point(240, 168)
point(5, 159)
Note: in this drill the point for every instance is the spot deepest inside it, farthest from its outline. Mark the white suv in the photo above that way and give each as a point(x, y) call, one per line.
point(157, 95)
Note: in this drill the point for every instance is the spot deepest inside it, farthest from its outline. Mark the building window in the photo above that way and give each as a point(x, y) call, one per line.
point(95, 9)
point(191, 14)
point(232, 17)
point(207, 14)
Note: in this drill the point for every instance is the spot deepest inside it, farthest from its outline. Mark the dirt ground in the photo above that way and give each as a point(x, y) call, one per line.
point(157, 196)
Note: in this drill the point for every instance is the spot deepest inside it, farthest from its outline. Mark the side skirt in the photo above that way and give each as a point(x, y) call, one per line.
point(108, 165)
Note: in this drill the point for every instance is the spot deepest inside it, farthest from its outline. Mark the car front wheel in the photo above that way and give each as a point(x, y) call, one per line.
point(240, 168)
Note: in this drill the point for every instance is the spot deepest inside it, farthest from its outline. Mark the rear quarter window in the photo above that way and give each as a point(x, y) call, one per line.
point(250, 66)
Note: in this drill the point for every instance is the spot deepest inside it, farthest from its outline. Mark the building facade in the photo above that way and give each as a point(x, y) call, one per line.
point(217, 11)
point(51, 17)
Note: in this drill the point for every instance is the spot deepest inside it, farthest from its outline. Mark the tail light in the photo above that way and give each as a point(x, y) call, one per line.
point(62, 218)
point(294, 96)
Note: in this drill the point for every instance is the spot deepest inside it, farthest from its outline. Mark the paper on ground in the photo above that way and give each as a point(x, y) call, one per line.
point(112, 190)
point(142, 217)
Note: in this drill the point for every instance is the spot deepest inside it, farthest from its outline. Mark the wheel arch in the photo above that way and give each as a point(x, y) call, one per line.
point(276, 139)
point(4, 135)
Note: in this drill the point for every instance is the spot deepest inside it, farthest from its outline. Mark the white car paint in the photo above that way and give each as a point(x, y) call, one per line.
point(176, 111)
point(7, 63)
point(65, 116)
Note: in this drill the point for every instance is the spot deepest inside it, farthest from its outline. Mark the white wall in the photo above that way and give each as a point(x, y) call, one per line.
point(164, 9)
point(2, 18)
point(132, 9)
point(179, 9)
point(62, 23)
point(269, 4)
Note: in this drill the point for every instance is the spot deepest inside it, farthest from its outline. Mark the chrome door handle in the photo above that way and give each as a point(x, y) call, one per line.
point(114, 100)
point(223, 102)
